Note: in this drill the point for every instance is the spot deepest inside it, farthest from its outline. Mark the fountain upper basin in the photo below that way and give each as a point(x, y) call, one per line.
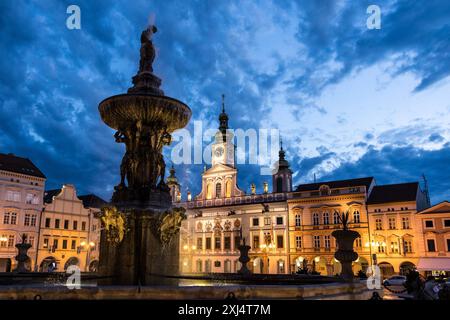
point(119, 110)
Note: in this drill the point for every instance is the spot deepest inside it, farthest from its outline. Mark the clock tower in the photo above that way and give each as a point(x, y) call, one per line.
point(219, 182)
point(223, 149)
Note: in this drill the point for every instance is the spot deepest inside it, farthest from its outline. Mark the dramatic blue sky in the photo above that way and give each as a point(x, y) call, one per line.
point(349, 101)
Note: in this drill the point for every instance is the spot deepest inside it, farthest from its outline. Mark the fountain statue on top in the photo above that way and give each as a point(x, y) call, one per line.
point(140, 228)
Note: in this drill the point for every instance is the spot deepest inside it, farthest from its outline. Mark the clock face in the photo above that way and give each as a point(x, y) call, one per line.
point(219, 151)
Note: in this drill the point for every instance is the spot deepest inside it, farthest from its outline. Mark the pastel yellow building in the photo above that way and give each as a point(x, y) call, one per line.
point(434, 243)
point(69, 231)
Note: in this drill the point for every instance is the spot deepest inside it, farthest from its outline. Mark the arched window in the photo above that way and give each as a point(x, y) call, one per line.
point(326, 218)
point(336, 218)
point(279, 184)
point(209, 191)
point(356, 216)
point(280, 266)
point(298, 220)
point(315, 219)
point(218, 190)
point(228, 189)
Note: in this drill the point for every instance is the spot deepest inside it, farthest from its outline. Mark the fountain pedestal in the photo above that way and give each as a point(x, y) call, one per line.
point(140, 234)
point(22, 256)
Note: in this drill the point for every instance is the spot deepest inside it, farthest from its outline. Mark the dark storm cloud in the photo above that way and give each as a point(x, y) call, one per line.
point(416, 32)
point(52, 78)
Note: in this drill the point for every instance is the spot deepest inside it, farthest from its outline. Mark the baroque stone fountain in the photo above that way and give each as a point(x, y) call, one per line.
point(140, 230)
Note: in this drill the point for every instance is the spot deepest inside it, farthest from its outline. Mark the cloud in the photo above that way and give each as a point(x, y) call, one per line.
point(401, 164)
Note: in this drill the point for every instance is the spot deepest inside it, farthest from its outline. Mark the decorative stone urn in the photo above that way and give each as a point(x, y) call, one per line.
point(244, 258)
point(345, 253)
point(22, 257)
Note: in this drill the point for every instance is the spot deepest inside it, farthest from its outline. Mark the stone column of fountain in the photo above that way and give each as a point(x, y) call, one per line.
point(22, 256)
point(140, 228)
point(345, 253)
point(244, 258)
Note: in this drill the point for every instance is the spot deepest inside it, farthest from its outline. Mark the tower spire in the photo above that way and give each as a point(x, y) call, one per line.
point(223, 118)
point(223, 103)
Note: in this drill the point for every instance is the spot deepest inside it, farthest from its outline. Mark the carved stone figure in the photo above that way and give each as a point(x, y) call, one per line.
point(114, 223)
point(170, 223)
point(147, 50)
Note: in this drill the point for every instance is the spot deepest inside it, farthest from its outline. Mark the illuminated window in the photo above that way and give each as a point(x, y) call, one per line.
point(316, 241)
point(33, 220)
point(218, 190)
point(27, 219)
point(209, 191)
point(255, 242)
point(336, 217)
point(45, 244)
point(326, 218)
point(327, 242)
point(298, 242)
point(6, 217)
point(228, 189)
point(315, 219)
point(378, 224)
point(407, 246)
point(405, 222)
point(356, 217)
point(392, 224)
point(11, 239)
point(298, 220)
point(267, 221)
point(13, 218)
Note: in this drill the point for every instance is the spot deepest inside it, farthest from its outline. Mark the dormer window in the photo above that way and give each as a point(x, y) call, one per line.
point(324, 190)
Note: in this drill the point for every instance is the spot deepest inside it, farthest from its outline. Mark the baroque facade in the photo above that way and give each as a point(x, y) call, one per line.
point(290, 229)
point(62, 227)
point(69, 231)
point(22, 187)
